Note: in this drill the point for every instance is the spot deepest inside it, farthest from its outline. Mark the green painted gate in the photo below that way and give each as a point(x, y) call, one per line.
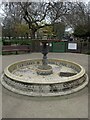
point(58, 47)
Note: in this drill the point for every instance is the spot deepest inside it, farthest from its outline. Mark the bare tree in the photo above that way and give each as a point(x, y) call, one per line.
point(40, 14)
point(35, 15)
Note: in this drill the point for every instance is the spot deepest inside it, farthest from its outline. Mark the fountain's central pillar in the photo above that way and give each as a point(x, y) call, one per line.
point(44, 69)
point(44, 52)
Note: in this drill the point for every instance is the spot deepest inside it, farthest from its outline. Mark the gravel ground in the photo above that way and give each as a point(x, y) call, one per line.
point(70, 106)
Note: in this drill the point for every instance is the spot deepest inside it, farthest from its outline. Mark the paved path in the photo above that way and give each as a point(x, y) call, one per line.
point(71, 106)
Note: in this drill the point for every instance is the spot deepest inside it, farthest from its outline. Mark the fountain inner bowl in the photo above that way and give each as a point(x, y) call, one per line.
point(44, 70)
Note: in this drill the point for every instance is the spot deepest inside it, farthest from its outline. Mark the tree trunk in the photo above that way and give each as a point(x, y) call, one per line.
point(9, 37)
point(33, 34)
point(27, 35)
point(35, 44)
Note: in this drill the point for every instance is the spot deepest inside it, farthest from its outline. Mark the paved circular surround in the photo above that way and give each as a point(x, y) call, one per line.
point(45, 87)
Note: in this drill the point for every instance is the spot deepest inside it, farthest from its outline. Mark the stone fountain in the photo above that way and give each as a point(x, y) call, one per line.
point(44, 77)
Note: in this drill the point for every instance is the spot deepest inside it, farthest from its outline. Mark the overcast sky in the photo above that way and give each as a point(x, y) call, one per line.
point(80, 0)
point(38, 1)
point(41, 0)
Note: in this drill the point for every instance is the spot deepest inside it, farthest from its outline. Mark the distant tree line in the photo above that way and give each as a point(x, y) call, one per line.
point(24, 19)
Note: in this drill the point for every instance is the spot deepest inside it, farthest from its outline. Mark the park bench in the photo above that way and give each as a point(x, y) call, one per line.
point(16, 48)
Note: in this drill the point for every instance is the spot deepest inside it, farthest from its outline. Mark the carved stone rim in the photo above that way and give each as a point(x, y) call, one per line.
point(71, 78)
point(62, 93)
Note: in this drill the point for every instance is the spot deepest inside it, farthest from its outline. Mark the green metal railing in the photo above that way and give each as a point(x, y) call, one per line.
point(82, 47)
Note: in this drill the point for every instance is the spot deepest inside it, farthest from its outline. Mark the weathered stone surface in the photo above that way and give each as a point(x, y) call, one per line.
point(22, 78)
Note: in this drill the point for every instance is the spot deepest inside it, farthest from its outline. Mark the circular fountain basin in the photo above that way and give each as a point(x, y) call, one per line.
point(22, 78)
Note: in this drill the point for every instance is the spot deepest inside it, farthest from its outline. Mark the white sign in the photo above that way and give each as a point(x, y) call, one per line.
point(50, 44)
point(72, 46)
